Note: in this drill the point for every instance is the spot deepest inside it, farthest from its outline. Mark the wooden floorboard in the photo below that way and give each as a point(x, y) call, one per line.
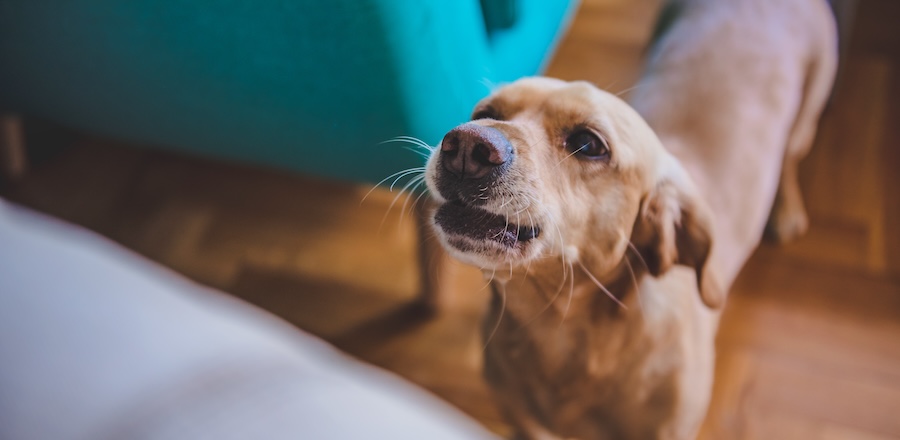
point(809, 346)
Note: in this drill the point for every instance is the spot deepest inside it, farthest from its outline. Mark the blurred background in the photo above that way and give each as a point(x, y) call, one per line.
point(809, 346)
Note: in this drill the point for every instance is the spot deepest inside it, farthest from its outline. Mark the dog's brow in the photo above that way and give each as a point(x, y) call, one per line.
point(566, 115)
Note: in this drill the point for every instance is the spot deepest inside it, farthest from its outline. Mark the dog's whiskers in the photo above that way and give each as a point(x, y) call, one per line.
point(619, 94)
point(419, 198)
point(571, 295)
point(528, 267)
point(420, 180)
point(562, 247)
point(499, 318)
point(507, 201)
point(568, 271)
point(637, 289)
point(601, 286)
point(410, 172)
point(424, 154)
point(609, 86)
point(562, 283)
point(502, 231)
point(505, 227)
point(491, 280)
point(636, 252)
point(570, 155)
point(409, 140)
point(487, 83)
point(416, 181)
point(399, 175)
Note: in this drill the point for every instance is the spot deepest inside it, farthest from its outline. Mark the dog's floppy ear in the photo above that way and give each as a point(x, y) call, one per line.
point(674, 226)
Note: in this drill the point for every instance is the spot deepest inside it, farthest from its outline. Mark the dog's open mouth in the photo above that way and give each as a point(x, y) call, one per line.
point(478, 225)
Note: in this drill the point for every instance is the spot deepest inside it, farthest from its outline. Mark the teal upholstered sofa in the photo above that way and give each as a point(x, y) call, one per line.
point(308, 85)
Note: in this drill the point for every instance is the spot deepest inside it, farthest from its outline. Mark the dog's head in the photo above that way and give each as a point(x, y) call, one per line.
point(548, 169)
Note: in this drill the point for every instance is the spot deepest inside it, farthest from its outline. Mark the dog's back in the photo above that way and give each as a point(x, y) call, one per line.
point(733, 89)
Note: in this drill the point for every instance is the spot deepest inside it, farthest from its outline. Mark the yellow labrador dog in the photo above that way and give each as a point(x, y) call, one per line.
point(607, 263)
point(566, 199)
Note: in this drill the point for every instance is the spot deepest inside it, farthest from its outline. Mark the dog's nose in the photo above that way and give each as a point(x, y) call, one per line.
point(471, 151)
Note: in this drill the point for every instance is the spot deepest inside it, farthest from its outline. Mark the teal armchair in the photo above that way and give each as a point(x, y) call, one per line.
point(310, 86)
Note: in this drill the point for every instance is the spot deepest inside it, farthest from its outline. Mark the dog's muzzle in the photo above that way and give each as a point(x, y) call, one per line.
point(472, 160)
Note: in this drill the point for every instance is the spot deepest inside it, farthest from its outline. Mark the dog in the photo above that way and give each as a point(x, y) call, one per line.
point(610, 246)
point(566, 198)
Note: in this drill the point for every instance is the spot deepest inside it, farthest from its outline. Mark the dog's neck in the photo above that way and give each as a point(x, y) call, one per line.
point(565, 293)
point(569, 325)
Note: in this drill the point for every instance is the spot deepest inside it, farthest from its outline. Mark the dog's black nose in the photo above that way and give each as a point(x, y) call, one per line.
point(471, 151)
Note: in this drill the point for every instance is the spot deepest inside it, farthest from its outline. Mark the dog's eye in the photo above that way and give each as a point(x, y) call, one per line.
point(585, 144)
point(486, 113)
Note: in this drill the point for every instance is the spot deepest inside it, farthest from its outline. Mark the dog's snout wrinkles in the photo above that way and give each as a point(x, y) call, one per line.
point(471, 151)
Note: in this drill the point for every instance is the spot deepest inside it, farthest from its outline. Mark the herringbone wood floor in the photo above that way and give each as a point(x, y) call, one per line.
point(810, 342)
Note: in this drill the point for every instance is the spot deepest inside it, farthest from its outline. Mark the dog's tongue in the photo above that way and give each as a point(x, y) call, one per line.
point(457, 218)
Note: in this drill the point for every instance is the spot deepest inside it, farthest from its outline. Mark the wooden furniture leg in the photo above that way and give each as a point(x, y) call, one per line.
point(435, 267)
point(13, 162)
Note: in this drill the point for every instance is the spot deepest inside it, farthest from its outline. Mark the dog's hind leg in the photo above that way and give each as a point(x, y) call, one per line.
point(788, 219)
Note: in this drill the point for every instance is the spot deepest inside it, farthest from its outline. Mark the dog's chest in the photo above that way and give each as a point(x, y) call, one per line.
point(572, 352)
point(578, 369)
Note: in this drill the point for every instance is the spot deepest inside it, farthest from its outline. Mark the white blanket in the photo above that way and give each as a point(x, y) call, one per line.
point(98, 343)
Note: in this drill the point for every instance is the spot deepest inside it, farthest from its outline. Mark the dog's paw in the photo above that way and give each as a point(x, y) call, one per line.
point(787, 222)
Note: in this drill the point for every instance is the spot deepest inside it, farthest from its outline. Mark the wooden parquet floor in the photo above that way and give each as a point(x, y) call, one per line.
point(809, 346)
